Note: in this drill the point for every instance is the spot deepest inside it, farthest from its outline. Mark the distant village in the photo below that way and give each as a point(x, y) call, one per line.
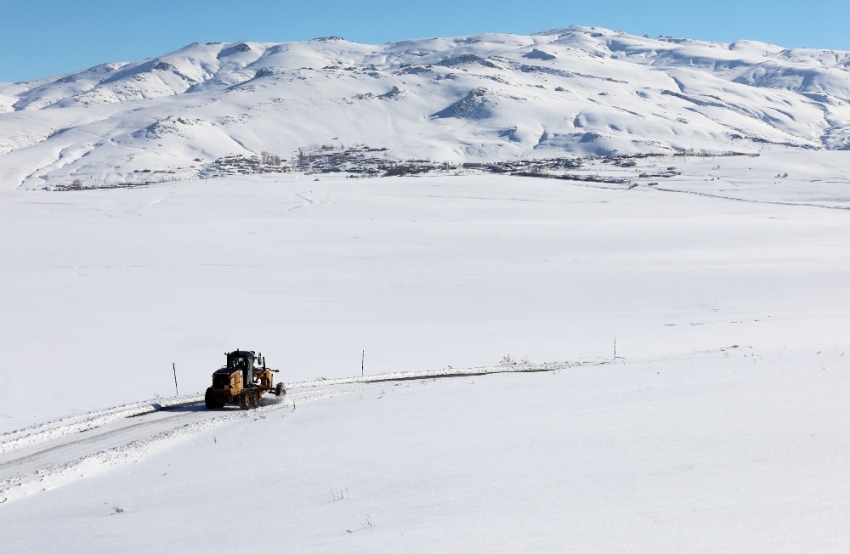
point(361, 161)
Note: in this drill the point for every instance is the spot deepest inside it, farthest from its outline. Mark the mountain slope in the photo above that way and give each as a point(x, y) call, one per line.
point(572, 91)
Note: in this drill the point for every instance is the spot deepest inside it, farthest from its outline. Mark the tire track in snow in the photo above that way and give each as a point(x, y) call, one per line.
point(751, 200)
point(31, 436)
point(440, 373)
point(99, 451)
point(124, 438)
point(52, 430)
point(119, 437)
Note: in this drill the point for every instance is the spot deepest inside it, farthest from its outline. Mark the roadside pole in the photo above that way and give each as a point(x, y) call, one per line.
point(174, 369)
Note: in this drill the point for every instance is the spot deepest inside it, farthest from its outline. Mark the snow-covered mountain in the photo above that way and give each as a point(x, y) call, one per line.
point(571, 91)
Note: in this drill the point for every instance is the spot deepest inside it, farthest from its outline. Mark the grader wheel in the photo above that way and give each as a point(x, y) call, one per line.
point(244, 401)
point(209, 400)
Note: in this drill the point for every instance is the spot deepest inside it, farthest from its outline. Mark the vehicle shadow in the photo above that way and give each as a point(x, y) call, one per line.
point(199, 407)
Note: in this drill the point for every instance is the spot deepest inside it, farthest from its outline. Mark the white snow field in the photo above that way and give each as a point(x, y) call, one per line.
point(718, 428)
point(728, 451)
point(104, 289)
point(576, 90)
point(720, 425)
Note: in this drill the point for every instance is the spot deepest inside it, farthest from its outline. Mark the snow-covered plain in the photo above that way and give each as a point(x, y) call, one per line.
point(726, 284)
point(743, 450)
point(727, 451)
point(104, 290)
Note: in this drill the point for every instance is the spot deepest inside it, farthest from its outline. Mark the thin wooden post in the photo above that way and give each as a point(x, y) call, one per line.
point(174, 369)
point(362, 363)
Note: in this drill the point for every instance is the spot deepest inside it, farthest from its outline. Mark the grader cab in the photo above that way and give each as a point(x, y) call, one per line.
point(242, 381)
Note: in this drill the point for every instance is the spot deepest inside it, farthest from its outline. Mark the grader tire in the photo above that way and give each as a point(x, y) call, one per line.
point(279, 390)
point(244, 402)
point(209, 400)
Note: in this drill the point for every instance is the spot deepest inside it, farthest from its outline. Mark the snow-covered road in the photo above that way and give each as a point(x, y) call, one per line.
point(734, 450)
point(28, 455)
point(27, 461)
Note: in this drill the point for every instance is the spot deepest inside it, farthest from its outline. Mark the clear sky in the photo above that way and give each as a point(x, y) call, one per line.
point(46, 37)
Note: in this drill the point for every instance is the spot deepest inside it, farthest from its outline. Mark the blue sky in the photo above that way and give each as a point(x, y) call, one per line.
point(46, 37)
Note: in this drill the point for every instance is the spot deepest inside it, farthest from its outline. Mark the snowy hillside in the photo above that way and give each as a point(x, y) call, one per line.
point(573, 91)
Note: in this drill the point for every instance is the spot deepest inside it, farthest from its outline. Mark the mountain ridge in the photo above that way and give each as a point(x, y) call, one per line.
point(572, 91)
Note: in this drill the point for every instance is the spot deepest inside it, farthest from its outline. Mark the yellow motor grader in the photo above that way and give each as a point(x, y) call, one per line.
point(242, 381)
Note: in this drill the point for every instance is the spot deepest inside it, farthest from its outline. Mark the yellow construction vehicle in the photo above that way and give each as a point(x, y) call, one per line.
point(242, 381)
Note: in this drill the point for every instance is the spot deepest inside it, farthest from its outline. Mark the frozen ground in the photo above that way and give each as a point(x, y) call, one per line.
point(104, 290)
point(733, 450)
point(683, 444)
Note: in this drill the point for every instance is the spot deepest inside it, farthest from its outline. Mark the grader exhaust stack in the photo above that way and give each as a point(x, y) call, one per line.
point(242, 381)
